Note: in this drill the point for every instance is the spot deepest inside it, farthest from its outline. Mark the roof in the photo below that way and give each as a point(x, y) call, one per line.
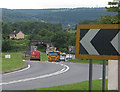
point(15, 32)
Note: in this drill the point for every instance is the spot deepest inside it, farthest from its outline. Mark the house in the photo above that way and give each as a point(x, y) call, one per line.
point(17, 35)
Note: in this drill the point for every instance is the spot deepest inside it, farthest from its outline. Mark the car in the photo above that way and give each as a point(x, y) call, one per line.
point(68, 56)
point(62, 58)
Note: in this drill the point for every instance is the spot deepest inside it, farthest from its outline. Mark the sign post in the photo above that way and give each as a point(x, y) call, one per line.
point(98, 41)
point(104, 75)
point(119, 75)
point(90, 75)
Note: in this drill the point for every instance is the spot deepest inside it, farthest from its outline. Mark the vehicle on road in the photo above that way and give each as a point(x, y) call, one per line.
point(35, 55)
point(54, 56)
point(63, 57)
point(68, 56)
point(52, 49)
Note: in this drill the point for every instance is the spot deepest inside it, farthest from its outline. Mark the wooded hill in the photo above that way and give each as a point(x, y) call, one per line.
point(64, 16)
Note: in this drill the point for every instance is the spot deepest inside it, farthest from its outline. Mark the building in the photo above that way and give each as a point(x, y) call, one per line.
point(17, 35)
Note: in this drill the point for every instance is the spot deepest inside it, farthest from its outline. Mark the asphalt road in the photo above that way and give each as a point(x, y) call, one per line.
point(47, 74)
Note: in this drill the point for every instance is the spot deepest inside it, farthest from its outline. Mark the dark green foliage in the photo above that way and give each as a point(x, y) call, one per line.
point(106, 19)
point(113, 6)
point(62, 40)
point(34, 29)
point(64, 16)
point(6, 46)
point(14, 45)
point(42, 48)
point(88, 22)
point(39, 31)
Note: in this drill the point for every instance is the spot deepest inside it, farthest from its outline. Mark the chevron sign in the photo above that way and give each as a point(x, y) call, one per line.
point(98, 41)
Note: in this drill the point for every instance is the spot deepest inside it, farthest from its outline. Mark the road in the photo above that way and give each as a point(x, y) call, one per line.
point(47, 74)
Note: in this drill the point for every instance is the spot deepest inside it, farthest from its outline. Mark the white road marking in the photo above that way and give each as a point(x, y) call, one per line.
point(65, 69)
point(19, 70)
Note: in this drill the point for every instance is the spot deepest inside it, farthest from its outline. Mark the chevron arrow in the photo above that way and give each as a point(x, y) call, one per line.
point(115, 42)
point(86, 41)
point(102, 42)
point(99, 41)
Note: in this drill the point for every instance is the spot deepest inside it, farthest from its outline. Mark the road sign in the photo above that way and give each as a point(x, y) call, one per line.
point(33, 48)
point(71, 49)
point(98, 41)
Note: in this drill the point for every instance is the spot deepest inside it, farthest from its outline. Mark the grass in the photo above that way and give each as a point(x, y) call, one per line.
point(15, 62)
point(43, 56)
point(96, 85)
point(86, 61)
point(72, 31)
point(81, 86)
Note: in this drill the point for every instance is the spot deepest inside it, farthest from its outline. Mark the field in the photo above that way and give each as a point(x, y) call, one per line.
point(72, 31)
point(15, 62)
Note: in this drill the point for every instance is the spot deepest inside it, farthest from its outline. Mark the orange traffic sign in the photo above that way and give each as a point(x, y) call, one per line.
point(98, 41)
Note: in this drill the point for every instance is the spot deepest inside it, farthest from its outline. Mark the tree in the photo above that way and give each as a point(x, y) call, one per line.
point(60, 40)
point(114, 7)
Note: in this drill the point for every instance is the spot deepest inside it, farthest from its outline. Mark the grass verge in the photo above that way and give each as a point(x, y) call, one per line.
point(86, 61)
point(82, 86)
point(96, 85)
point(15, 62)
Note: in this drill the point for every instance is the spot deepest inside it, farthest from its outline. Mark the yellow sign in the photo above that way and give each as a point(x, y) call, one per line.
point(98, 41)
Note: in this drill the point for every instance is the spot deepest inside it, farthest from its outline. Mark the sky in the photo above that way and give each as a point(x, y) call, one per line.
point(44, 4)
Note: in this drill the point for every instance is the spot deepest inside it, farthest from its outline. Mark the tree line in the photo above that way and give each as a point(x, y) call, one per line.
point(53, 33)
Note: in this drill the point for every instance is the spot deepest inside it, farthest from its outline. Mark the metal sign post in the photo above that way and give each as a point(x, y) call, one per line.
point(104, 75)
point(98, 41)
point(90, 75)
point(119, 75)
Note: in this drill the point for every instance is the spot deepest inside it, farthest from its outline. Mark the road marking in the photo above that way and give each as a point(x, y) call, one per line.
point(19, 70)
point(65, 69)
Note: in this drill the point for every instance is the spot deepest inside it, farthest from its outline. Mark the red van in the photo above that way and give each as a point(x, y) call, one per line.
point(35, 55)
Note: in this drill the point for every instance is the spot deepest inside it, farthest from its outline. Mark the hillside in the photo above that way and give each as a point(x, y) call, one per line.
point(65, 16)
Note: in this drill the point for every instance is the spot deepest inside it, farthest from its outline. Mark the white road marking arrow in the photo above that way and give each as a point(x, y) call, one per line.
point(86, 41)
point(115, 42)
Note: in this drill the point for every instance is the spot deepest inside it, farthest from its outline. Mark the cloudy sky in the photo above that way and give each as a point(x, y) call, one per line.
point(42, 4)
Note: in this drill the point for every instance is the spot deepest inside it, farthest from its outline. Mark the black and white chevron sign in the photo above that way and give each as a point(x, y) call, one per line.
point(99, 41)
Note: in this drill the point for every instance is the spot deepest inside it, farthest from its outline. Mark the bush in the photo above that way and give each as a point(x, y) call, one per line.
point(6, 46)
